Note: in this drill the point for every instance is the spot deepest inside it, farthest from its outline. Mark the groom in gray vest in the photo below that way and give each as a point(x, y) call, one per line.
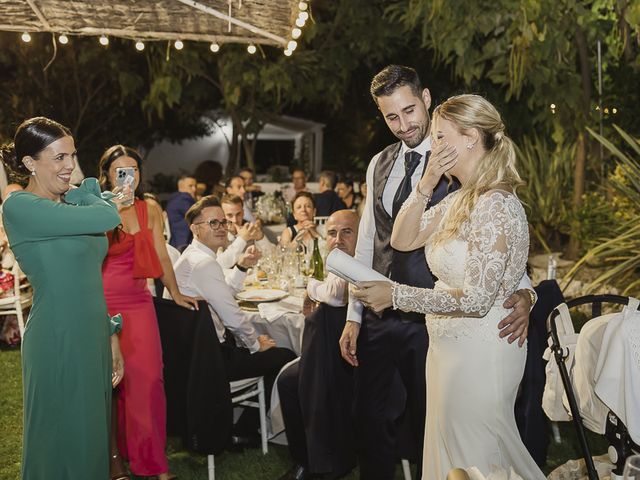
point(389, 348)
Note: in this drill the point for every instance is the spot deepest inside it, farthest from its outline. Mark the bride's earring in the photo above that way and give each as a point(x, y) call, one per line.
point(470, 145)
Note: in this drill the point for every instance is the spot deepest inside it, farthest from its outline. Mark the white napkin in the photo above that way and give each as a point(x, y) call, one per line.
point(270, 311)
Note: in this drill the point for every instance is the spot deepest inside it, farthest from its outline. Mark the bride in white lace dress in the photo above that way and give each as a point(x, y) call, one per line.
point(476, 242)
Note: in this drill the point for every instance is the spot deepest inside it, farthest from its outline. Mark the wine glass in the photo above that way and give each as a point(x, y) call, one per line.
point(632, 468)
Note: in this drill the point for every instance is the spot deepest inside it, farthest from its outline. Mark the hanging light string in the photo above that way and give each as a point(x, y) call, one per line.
point(296, 33)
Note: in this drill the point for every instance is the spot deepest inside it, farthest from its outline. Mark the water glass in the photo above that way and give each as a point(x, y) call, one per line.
point(632, 468)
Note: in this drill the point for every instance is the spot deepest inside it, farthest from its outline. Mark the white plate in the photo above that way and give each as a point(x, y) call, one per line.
point(261, 295)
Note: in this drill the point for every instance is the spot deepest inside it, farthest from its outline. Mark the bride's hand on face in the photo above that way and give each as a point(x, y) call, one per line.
point(443, 157)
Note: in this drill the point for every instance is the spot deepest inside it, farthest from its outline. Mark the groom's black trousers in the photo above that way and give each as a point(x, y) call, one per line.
point(390, 392)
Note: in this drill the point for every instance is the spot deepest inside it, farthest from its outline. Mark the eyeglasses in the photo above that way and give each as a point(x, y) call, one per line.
point(215, 224)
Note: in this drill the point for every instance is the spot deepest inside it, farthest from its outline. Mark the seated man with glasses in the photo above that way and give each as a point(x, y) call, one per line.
point(246, 354)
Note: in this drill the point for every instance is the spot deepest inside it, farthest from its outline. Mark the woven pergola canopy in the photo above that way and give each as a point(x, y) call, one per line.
point(252, 21)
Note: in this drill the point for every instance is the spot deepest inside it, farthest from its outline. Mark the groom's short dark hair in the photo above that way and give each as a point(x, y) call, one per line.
point(392, 77)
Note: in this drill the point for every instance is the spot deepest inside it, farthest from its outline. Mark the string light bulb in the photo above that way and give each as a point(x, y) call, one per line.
point(140, 45)
point(63, 39)
point(252, 49)
point(287, 53)
point(178, 44)
point(300, 22)
point(292, 45)
point(104, 40)
point(296, 32)
point(26, 37)
point(214, 47)
point(303, 6)
point(304, 16)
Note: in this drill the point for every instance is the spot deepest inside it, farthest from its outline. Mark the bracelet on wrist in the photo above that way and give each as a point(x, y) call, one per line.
point(241, 268)
point(423, 195)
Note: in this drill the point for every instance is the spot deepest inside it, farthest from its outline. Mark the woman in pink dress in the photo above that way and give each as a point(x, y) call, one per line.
point(137, 251)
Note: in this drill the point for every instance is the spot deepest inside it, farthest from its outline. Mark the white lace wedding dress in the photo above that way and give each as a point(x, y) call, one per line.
point(472, 374)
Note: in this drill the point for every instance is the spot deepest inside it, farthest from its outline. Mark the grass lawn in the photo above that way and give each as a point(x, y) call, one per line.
point(189, 466)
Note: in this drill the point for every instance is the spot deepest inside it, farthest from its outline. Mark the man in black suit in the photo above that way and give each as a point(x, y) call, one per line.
point(389, 349)
point(316, 393)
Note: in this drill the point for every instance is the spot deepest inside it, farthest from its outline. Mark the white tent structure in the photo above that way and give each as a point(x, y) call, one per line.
point(303, 133)
point(175, 158)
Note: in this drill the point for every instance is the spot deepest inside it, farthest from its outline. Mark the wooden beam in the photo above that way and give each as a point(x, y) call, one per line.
point(40, 15)
point(234, 21)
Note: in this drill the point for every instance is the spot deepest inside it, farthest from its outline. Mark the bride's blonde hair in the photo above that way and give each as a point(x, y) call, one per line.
point(495, 169)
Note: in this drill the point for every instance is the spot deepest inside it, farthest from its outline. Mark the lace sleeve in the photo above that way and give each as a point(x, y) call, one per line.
point(489, 231)
point(414, 225)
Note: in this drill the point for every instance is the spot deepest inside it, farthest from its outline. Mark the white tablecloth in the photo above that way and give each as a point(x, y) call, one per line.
point(285, 330)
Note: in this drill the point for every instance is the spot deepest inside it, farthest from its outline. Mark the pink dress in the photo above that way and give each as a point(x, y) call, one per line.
point(140, 395)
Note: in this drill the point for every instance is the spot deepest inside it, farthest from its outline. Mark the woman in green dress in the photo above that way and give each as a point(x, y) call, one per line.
point(69, 363)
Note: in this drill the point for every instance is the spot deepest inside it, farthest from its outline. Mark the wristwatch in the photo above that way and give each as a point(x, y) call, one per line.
point(244, 269)
point(532, 296)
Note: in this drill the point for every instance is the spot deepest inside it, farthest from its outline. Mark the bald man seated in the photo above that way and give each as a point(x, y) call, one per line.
point(315, 394)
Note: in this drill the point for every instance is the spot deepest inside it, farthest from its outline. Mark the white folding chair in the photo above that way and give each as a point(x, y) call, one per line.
point(320, 222)
point(247, 388)
point(406, 469)
point(21, 298)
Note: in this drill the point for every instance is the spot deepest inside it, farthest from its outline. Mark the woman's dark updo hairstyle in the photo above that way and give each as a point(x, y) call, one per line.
point(110, 156)
point(32, 136)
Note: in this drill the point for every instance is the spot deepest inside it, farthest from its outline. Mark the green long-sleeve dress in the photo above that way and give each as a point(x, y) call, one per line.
point(66, 350)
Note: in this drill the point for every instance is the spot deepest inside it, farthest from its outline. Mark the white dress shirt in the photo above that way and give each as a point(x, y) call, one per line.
point(229, 256)
point(332, 290)
point(367, 229)
point(198, 274)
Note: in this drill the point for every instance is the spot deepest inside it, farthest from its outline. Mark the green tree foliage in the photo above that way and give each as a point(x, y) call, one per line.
point(105, 96)
point(617, 250)
point(540, 52)
point(253, 89)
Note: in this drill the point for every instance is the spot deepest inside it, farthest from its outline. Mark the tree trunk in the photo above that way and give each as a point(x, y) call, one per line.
point(578, 192)
point(233, 151)
point(236, 144)
point(579, 177)
point(248, 147)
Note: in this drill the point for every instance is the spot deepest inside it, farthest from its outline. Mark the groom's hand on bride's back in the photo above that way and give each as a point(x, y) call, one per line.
point(516, 324)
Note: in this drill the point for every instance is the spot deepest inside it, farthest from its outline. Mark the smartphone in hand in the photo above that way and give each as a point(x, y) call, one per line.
point(125, 177)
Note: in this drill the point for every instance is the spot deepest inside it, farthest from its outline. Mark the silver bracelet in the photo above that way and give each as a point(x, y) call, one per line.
point(427, 197)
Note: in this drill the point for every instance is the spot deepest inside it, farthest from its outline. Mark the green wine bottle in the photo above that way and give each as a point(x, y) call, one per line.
point(316, 261)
